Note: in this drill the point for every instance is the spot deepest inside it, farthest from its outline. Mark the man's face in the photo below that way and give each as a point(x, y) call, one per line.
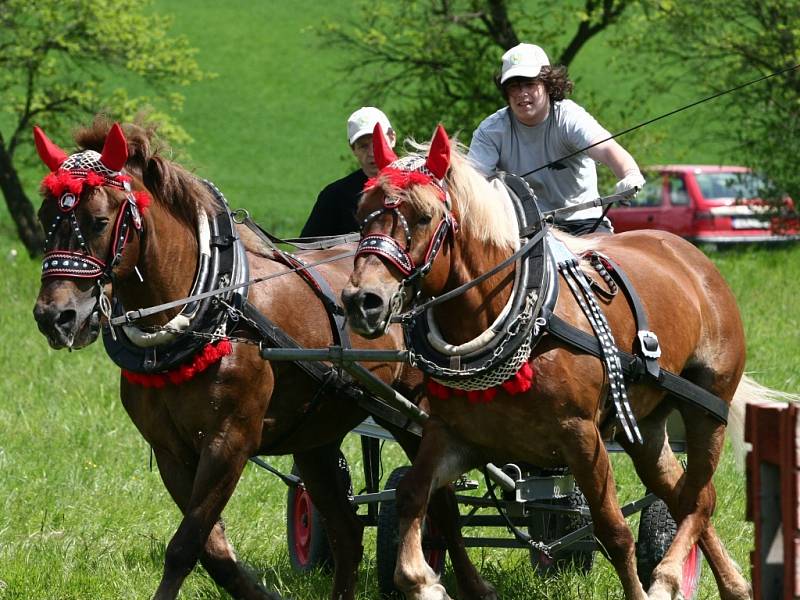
point(362, 150)
point(527, 99)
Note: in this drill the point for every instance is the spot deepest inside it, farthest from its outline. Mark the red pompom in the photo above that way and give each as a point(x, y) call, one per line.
point(437, 390)
point(209, 355)
point(94, 179)
point(143, 200)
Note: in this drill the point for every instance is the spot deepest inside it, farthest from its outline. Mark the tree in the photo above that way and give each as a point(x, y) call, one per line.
point(439, 56)
point(55, 60)
point(720, 44)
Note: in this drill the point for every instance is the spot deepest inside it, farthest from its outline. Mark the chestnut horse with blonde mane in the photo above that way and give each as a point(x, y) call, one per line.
point(561, 419)
point(117, 212)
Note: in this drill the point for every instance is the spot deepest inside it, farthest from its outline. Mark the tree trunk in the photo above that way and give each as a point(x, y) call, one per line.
point(20, 208)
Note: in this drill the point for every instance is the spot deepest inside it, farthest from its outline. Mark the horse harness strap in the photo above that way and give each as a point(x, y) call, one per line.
point(631, 365)
point(609, 352)
point(648, 346)
point(226, 265)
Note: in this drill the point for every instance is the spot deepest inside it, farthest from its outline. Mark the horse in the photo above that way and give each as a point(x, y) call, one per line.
point(122, 219)
point(432, 225)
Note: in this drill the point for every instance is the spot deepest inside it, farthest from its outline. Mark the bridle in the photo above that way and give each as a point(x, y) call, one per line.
point(82, 263)
point(69, 177)
point(390, 248)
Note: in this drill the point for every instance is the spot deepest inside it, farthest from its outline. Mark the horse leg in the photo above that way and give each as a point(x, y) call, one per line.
point(689, 494)
point(588, 460)
point(443, 508)
point(345, 530)
point(202, 495)
point(439, 460)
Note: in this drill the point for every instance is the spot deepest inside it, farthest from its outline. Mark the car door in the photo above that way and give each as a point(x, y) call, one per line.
point(677, 214)
point(645, 210)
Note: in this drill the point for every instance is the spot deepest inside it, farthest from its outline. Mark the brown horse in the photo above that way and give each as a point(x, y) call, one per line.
point(140, 230)
point(561, 419)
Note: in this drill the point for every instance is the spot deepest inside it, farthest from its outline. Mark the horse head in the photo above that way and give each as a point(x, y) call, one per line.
point(406, 221)
point(92, 221)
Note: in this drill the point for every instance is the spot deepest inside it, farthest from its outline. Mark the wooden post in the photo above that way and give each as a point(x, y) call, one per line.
point(773, 477)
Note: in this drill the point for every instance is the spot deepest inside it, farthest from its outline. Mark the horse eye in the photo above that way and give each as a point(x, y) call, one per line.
point(99, 224)
point(424, 220)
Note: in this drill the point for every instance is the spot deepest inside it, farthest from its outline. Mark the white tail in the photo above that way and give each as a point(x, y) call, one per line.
point(749, 391)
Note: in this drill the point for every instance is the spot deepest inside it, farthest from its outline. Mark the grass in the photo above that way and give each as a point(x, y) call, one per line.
point(83, 514)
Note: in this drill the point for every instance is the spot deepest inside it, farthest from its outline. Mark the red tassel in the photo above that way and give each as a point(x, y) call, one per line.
point(208, 356)
point(437, 390)
point(143, 200)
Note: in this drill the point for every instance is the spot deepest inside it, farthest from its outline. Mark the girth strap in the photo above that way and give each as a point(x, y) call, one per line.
point(677, 386)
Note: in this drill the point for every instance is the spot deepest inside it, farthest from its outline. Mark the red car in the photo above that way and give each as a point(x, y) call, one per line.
point(708, 204)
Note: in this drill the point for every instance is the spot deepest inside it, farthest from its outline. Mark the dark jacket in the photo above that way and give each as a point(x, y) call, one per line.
point(334, 213)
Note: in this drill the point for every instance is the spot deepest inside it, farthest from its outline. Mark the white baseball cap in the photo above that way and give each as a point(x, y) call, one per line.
point(523, 60)
point(362, 122)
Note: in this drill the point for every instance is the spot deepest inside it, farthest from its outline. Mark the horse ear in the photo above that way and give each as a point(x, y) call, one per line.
point(115, 150)
point(383, 153)
point(50, 154)
point(438, 160)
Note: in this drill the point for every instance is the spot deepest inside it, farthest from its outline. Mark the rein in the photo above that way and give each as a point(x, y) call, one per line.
point(134, 315)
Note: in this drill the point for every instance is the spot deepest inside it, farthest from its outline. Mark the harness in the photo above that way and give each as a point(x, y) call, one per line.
point(222, 262)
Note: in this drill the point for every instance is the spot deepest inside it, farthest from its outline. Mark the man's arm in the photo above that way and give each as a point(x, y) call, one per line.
point(483, 153)
point(317, 220)
point(621, 163)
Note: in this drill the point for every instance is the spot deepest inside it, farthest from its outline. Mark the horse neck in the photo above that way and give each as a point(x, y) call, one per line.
point(471, 313)
point(167, 263)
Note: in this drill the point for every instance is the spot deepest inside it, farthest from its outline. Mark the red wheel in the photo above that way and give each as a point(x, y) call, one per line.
point(302, 521)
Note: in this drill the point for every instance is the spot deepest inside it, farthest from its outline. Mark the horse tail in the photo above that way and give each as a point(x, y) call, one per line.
point(749, 391)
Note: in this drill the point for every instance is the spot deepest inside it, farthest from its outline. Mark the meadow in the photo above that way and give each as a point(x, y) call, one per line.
point(84, 514)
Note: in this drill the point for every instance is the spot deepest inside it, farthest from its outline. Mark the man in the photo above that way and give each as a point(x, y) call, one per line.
point(539, 126)
point(335, 209)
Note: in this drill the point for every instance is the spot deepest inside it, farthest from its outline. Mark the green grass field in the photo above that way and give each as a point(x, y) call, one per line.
point(83, 514)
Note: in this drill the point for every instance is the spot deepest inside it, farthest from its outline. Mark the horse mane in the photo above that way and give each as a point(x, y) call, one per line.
point(174, 187)
point(482, 211)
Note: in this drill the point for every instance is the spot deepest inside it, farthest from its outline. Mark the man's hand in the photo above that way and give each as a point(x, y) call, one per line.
point(632, 180)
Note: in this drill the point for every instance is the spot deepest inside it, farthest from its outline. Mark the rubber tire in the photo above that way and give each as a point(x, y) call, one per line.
point(547, 527)
point(387, 541)
point(307, 541)
point(657, 529)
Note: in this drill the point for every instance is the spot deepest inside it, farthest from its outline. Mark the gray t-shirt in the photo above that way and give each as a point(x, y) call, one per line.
point(502, 143)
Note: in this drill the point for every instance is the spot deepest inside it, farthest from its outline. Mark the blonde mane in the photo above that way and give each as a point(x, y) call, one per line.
point(483, 212)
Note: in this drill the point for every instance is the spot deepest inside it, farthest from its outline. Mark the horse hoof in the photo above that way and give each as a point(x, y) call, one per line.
point(430, 592)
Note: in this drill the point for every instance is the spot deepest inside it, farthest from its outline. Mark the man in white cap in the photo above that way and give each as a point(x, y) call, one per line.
point(335, 209)
point(539, 126)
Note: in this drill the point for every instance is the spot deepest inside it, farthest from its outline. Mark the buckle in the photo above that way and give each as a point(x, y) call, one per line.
point(648, 342)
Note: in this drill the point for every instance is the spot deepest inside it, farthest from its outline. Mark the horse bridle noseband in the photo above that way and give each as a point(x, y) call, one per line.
point(87, 169)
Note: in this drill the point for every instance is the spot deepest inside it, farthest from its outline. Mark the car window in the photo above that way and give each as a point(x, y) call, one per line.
point(729, 185)
point(650, 194)
point(678, 195)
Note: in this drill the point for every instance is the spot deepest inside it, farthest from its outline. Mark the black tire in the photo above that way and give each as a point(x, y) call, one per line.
point(657, 529)
point(387, 540)
point(306, 538)
point(549, 526)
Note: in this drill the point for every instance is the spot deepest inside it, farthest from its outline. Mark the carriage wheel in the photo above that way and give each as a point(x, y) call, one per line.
point(387, 540)
point(657, 529)
point(308, 543)
point(546, 527)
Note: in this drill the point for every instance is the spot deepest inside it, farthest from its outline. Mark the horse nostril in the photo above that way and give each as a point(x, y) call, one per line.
point(65, 320)
point(372, 302)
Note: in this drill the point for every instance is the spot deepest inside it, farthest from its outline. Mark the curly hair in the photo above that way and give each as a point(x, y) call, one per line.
point(555, 78)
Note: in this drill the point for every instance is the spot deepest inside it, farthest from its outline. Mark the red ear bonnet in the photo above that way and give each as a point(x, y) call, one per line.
point(115, 150)
point(383, 153)
point(438, 160)
point(50, 154)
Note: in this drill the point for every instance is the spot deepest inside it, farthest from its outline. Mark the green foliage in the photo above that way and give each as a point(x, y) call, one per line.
point(720, 44)
point(57, 57)
point(429, 62)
